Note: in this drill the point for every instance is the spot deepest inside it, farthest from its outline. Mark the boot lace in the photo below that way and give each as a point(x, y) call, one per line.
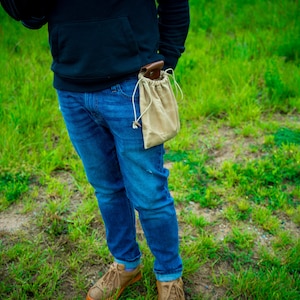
point(172, 291)
point(111, 280)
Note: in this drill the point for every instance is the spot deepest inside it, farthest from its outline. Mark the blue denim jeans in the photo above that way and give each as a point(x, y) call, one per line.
point(125, 176)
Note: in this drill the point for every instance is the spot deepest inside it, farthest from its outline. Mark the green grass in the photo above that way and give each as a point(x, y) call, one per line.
point(234, 167)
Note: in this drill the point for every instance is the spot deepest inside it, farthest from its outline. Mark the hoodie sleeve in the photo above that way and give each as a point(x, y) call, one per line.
point(174, 22)
point(34, 23)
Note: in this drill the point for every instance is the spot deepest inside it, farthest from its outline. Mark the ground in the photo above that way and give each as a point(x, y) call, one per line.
point(13, 219)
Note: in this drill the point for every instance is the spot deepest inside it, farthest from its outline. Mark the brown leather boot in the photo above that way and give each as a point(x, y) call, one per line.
point(171, 290)
point(112, 284)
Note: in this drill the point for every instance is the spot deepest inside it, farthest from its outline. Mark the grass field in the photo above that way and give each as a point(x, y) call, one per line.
point(234, 167)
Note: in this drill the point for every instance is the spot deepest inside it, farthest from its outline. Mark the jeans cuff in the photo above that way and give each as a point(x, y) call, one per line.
point(129, 264)
point(168, 277)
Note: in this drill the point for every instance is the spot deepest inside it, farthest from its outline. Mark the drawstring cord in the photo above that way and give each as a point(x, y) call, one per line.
point(135, 123)
point(176, 84)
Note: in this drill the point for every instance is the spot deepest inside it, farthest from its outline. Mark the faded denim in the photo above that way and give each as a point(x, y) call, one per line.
point(125, 176)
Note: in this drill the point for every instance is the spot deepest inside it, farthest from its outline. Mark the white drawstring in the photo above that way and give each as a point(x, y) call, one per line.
point(176, 84)
point(135, 123)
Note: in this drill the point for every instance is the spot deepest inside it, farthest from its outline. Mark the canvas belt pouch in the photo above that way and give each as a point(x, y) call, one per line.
point(158, 106)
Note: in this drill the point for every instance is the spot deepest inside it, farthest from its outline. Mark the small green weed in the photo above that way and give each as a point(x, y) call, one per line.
point(263, 217)
point(242, 239)
point(199, 222)
point(12, 186)
point(287, 136)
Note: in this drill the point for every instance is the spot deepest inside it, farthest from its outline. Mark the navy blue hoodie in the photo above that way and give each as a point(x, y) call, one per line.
point(96, 43)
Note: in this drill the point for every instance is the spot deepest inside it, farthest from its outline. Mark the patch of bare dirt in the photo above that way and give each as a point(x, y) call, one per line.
point(201, 282)
point(12, 219)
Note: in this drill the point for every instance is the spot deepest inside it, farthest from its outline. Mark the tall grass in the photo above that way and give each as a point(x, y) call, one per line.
point(235, 165)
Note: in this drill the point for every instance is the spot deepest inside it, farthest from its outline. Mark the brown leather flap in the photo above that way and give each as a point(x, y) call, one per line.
point(152, 70)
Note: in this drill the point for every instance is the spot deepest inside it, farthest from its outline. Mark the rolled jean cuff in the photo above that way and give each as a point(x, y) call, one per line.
point(168, 277)
point(129, 264)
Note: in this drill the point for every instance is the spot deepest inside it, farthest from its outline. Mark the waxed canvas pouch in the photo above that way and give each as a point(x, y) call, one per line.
point(158, 109)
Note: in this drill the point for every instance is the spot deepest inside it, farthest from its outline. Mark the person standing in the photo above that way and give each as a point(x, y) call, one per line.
point(98, 48)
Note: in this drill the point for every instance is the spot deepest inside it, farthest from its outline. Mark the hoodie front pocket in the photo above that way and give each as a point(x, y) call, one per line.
point(91, 50)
